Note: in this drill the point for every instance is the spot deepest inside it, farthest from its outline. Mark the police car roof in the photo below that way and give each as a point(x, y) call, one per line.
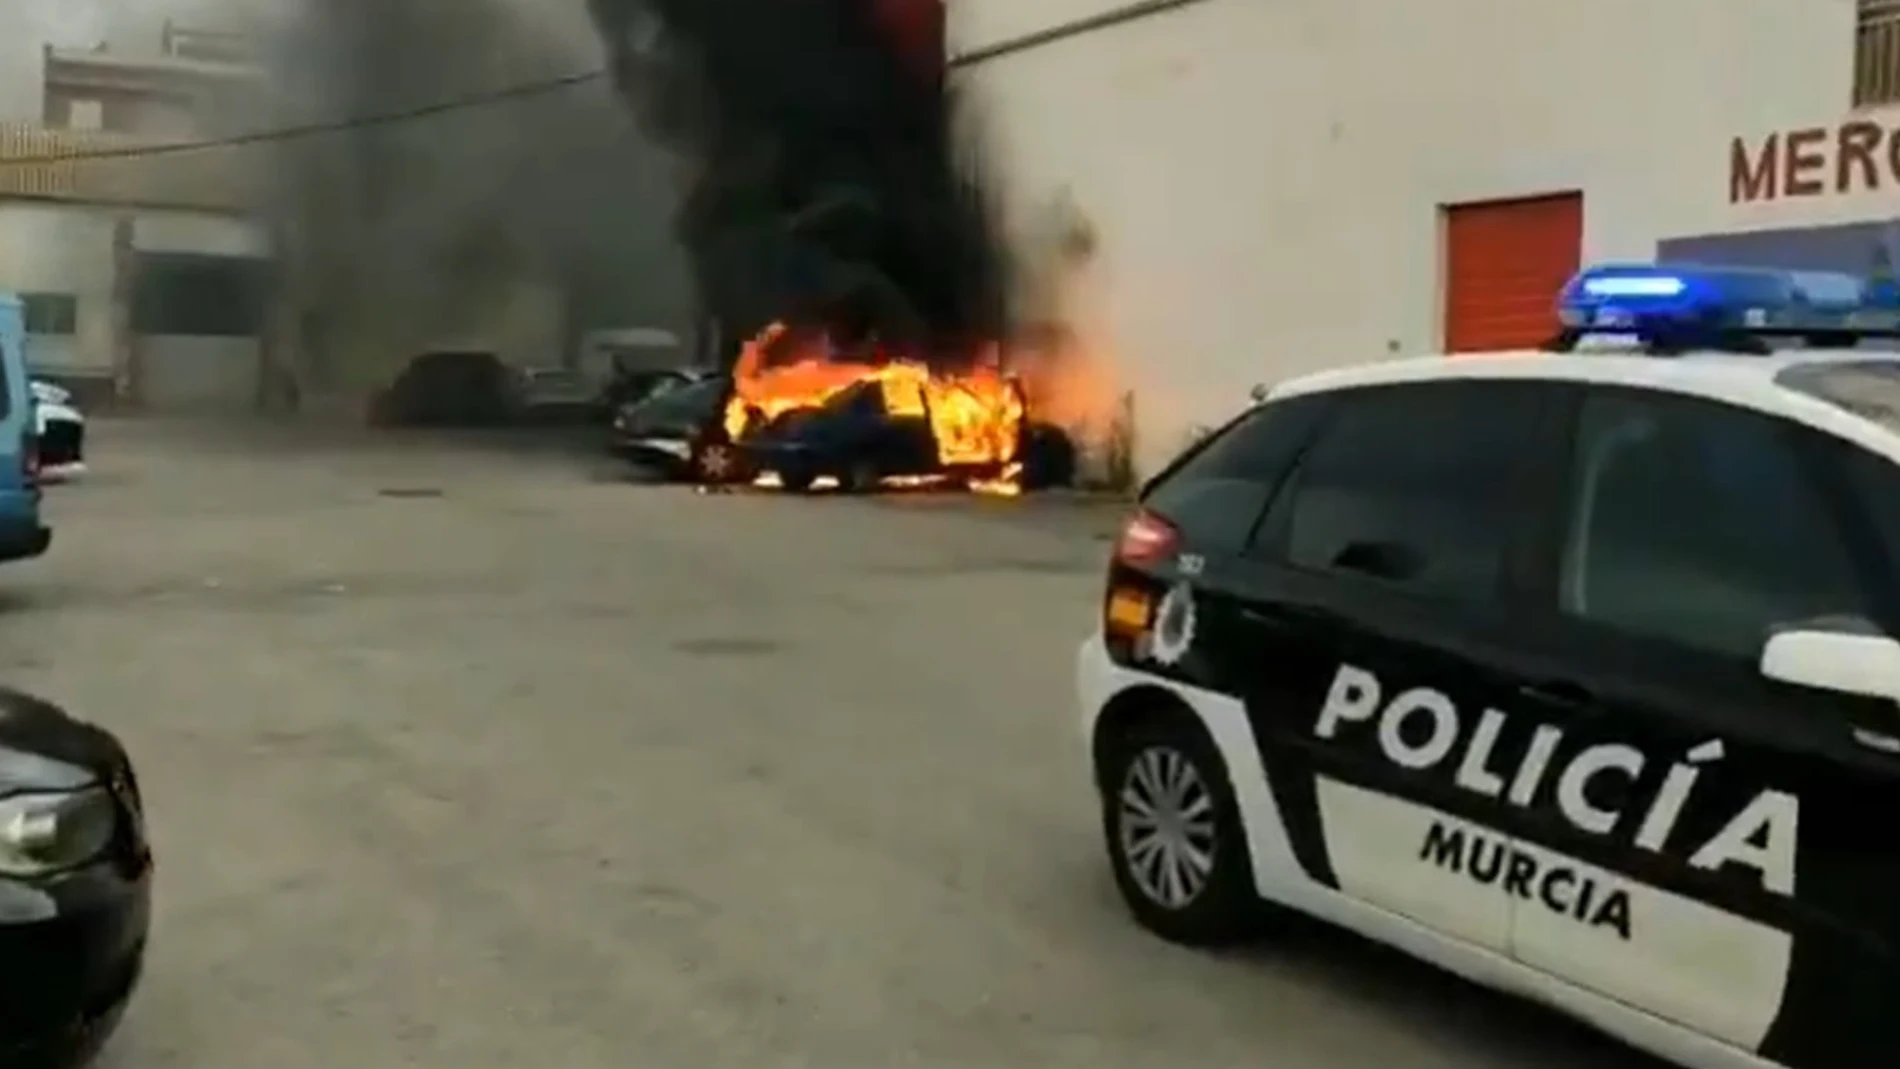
point(1647, 304)
point(1741, 379)
point(1745, 380)
point(1690, 373)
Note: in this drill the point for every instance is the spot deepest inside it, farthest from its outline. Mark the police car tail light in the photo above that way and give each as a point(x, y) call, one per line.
point(1699, 306)
point(1146, 540)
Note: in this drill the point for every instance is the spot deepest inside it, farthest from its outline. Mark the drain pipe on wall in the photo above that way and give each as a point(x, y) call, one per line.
point(1132, 12)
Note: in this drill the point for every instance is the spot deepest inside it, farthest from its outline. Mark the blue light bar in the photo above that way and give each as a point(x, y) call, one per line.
point(1649, 299)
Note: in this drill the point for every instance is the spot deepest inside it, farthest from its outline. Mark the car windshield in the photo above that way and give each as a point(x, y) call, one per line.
point(686, 397)
point(1869, 389)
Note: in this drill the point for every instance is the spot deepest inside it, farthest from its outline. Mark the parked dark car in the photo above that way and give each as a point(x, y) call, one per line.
point(554, 396)
point(61, 431)
point(75, 884)
point(628, 386)
point(449, 389)
point(677, 429)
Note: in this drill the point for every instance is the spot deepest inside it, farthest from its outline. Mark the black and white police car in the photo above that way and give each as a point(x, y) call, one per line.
point(1573, 672)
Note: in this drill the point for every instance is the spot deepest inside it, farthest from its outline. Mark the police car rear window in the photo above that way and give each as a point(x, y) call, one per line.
point(1217, 491)
point(1869, 389)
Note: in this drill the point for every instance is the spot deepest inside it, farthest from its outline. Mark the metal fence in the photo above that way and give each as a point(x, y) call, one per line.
point(97, 166)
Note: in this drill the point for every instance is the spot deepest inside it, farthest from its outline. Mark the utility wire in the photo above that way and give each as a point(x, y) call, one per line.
point(316, 129)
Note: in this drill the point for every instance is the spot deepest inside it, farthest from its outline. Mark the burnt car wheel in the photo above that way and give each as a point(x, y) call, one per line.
point(718, 463)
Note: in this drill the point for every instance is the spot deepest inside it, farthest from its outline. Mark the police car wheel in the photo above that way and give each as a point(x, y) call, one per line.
point(1174, 840)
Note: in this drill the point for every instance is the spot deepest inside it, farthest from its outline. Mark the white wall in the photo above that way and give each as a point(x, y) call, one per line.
point(206, 233)
point(1264, 178)
point(188, 373)
point(48, 247)
point(55, 248)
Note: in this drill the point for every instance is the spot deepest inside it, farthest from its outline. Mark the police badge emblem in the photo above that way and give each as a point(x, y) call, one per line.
point(1173, 632)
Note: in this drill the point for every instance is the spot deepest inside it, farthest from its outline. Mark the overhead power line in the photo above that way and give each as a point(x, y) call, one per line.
point(517, 91)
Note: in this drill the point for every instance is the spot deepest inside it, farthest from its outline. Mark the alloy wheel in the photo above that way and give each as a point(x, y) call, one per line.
point(1166, 820)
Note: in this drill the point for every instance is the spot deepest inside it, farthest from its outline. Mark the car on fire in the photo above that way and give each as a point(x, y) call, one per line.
point(854, 440)
point(75, 883)
point(690, 427)
point(1576, 672)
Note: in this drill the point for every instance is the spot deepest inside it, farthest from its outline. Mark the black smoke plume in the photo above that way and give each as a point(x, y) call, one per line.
point(828, 188)
point(464, 229)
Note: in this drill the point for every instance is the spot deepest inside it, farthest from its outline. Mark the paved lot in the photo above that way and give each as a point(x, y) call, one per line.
point(549, 771)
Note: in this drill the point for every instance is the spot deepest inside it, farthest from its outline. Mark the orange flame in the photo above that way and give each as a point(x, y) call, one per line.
point(975, 417)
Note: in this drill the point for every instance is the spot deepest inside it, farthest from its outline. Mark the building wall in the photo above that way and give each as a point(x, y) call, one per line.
point(197, 372)
point(122, 111)
point(62, 248)
point(1265, 181)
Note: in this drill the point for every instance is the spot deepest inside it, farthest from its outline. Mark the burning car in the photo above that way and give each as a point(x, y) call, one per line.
point(792, 415)
point(801, 412)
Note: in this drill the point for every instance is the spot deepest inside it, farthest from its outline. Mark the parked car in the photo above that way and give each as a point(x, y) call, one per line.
point(62, 432)
point(555, 396)
point(449, 388)
point(75, 883)
point(23, 534)
point(1575, 672)
point(677, 429)
point(631, 385)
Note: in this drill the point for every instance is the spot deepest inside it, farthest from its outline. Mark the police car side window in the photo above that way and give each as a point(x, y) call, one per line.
point(1695, 523)
point(1217, 494)
point(1410, 485)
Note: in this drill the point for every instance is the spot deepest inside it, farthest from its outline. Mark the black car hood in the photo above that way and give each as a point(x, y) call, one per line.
point(43, 746)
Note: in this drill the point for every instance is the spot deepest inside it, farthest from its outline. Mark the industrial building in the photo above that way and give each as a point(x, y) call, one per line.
point(145, 276)
point(1272, 188)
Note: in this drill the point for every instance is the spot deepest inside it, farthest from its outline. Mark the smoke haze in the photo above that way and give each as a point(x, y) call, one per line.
point(479, 226)
point(829, 184)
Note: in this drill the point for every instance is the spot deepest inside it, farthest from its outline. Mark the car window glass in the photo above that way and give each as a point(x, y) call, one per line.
point(1411, 485)
point(685, 398)
point(1218, 492)
point(1695, 523)
point(1875, 483)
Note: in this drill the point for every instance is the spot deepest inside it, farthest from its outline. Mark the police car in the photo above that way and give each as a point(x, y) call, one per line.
point(1574, 672)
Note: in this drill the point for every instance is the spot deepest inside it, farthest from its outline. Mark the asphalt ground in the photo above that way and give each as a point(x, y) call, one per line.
point(468, 754)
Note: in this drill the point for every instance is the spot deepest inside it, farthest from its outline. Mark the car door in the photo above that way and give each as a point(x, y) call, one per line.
point(1370, 606)
point(1730, 828)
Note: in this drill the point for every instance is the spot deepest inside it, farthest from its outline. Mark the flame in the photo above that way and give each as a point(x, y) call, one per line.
point(975, 417)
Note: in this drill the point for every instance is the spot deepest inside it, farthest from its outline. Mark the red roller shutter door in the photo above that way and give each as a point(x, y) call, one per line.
point(1505, 262)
